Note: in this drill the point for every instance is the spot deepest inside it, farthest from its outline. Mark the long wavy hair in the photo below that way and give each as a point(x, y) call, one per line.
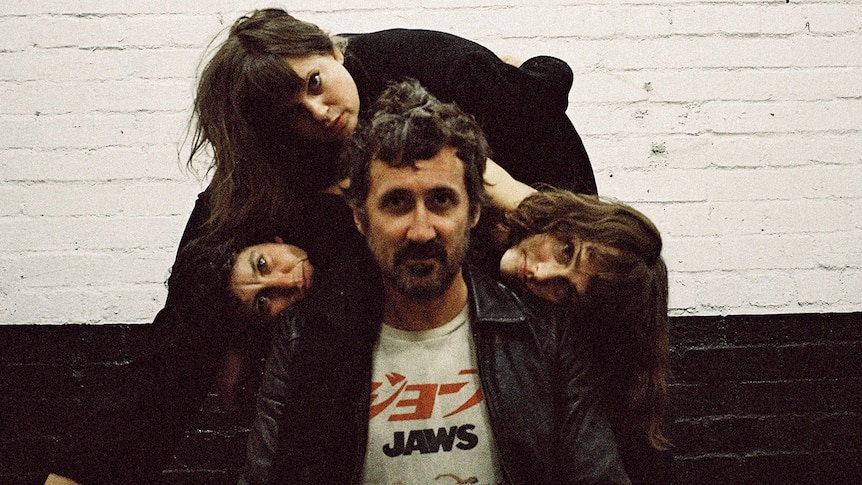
point(624, 309)
point(242, 114)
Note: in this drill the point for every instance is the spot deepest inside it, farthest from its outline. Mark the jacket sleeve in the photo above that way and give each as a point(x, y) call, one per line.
point(589, 449)
point(263, 439)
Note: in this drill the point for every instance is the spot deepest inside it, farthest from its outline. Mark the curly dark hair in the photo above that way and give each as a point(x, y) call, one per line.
point(203, 267)
point(410, 124)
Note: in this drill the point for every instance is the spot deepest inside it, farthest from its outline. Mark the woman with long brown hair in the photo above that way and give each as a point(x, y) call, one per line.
point(603, 258)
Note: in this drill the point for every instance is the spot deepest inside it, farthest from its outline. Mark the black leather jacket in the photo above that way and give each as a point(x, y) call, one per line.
point(314, 403)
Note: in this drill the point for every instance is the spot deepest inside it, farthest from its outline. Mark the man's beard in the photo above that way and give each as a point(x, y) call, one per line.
point(424, 271)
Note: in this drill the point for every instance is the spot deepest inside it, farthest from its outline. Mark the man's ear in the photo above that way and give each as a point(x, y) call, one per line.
point(476, 216)
point(357, 219)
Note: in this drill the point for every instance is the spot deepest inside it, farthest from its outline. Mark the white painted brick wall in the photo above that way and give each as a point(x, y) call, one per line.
point(737, 126)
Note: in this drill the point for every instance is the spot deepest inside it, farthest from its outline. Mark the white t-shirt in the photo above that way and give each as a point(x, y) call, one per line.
point(428, 421)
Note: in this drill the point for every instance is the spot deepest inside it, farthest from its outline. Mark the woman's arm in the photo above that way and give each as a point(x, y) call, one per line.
point(522, 110)
point(504, 191)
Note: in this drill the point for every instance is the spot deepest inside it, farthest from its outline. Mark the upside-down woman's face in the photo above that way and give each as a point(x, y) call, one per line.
point(271, 277)
point(327, 108)
point(554, 269)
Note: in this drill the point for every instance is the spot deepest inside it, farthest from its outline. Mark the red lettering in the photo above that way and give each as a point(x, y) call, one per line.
point(379, 407)
point(423, 404)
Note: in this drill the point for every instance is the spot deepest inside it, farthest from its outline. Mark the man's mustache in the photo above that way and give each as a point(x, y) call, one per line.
point(431, 249)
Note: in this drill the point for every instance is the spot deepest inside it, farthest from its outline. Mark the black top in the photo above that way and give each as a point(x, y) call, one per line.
point(130, 438)
point(521, 110)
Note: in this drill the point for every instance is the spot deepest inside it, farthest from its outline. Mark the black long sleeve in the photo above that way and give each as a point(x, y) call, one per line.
point(522, 110)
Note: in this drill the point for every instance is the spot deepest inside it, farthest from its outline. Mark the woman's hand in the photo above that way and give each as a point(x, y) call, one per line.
point(512, 60)
point(505, 192)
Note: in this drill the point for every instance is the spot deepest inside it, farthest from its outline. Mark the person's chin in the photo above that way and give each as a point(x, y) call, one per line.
point(508, 276)
point(349, 125)
point(508, 264)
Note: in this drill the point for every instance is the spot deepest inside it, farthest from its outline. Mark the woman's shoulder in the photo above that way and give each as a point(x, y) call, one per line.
point(414, 49)
point(401, 35)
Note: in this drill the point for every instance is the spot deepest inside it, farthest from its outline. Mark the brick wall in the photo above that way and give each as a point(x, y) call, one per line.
point(733, 124)
point(772, 399)
point(755, 400)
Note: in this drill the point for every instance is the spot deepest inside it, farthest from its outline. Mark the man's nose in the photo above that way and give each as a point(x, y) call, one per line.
point(421, 228)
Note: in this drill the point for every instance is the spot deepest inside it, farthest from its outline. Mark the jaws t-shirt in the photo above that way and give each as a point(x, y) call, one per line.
point(428, 421)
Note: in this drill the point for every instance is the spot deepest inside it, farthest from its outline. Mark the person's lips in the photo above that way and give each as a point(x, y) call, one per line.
point(305, 276)
point(522, 270)
point(337, 125)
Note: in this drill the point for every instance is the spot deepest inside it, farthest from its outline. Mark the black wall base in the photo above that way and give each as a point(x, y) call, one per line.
point(767, 399)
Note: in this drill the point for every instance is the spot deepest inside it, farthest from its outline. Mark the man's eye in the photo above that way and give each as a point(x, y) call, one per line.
point(315, 83)
point(442, 201)
point(395, 203)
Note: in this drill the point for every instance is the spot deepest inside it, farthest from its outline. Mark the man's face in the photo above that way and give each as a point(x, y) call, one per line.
point(417, 223)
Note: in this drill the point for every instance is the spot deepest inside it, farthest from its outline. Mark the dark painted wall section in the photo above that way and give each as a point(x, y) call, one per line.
point(770, 399)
